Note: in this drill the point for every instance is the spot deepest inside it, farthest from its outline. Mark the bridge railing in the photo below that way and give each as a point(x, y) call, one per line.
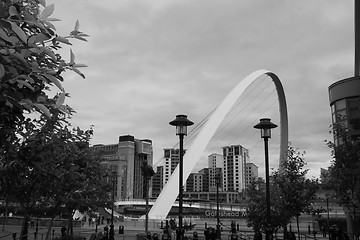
point(122, 202)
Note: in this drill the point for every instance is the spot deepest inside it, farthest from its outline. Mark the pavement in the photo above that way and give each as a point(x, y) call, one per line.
point(132, 228)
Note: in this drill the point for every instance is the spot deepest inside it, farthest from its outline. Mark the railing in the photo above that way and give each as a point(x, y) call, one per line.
point(124, 202)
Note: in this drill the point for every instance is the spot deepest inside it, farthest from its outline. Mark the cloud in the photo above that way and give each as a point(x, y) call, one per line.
point(151, 60)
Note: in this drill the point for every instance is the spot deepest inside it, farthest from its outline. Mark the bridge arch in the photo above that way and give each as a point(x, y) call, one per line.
point(169, 193)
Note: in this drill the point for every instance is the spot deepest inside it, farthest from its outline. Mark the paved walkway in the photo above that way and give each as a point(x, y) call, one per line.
point(130, 232)
point(131, 229)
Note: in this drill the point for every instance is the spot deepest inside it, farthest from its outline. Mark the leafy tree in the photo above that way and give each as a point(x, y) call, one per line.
point(344, 171)
point(295, 192)
point(81, 183)
point(291, 194)
point(32, 161)
point(57, 169)
point(30, 65)
point(256, 209)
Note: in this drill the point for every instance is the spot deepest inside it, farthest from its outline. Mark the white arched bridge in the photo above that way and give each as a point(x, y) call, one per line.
point(211, 125)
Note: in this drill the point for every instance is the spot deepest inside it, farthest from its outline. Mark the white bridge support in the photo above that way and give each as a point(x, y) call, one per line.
point(168, 195)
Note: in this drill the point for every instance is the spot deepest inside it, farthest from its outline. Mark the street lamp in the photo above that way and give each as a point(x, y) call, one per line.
point(147, 172)
point(217, 180)
point(181, 122)
point(265, 125)
point(111, 231)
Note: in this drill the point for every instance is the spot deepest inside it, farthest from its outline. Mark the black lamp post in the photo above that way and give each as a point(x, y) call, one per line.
point(111, 231)
point(265, 125)
point(181, 122)
point(147, 172)
point(217, 180)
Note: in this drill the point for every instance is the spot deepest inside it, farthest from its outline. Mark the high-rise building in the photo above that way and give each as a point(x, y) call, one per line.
point(172, 158)
point(215, 160)
point(252, 173)
point(344, 97)
point(234, 174)
point(194, 182)
point(157, 182)
point(205, 172)
point(125, 159)
point(216, 165)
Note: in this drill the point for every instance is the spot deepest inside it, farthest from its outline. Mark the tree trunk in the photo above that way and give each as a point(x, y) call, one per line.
point(70, 226)
point(298, 227)
point(285, 229)
point(6, 212)
point(49, 228)
point(349, 221)
point(24, 228)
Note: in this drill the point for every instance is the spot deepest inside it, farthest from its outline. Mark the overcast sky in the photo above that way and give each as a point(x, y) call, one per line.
point(142, 54)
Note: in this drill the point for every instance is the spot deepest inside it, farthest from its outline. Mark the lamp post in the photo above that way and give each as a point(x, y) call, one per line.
point(111, 230)
point(265, 125)
point(218, 233)
point(328, 216)
point(147, 172)
point(181, 122)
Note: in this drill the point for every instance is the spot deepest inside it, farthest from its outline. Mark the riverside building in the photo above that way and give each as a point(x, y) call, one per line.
point(125, 159)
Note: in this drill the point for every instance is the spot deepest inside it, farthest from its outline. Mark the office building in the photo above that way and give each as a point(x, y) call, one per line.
point(157, 182)
point(235, 158)
point(216, 164)
point(125, 159)
point(252, 173)
point(194, 183)
point(344, 97)
point(172, 158)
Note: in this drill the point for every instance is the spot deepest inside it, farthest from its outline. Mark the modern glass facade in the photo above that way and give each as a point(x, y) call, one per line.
point(344, 97)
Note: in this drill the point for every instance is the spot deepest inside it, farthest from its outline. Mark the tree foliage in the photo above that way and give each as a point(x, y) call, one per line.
point(43, 161)
point(30, 64)
point(56, 168)
point(345, 167)
point(344, 170)
point(291, 193)
point(256, 209)
point(296, 192)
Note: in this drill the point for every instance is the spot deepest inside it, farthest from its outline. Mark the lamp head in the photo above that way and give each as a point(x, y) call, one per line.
point(265, 125)
point(181, 122)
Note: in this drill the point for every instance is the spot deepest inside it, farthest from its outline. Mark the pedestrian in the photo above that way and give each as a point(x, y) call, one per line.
point(207, 234)
point(63, 231)
point(172, 224)
point(233, 227)
point(342, 235)
point(212, 234)
point(323, 229)
point(155, 236)
point(292, 235)
point(333, 232)
point(148, 236)
point(106, 232)
point(195, 236)
point(257, 235)
point(32, 224)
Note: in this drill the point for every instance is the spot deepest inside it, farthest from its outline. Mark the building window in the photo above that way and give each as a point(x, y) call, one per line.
point(237, 150)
